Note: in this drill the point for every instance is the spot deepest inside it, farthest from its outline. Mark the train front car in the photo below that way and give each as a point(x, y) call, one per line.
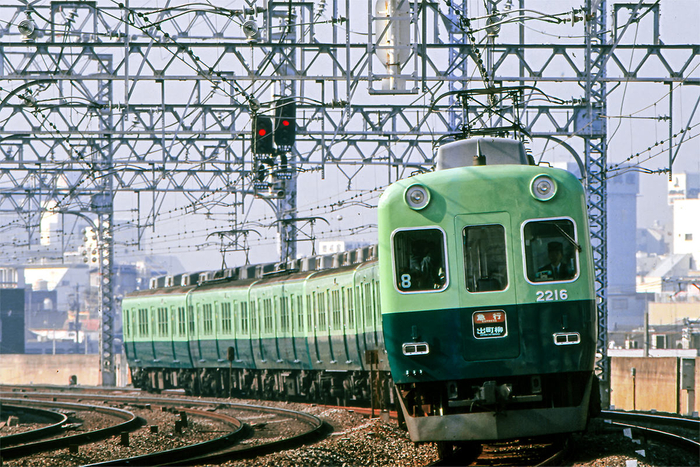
point(488, 304)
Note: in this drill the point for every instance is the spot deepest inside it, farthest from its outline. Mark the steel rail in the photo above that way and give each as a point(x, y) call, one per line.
point(43, 432)
point(131, 423)
point(637, 417)
point(184, 453)
point(687, 444)
point(218, 449)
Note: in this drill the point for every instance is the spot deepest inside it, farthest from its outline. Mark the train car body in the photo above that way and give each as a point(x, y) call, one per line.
point(283, 334)
point(486, 339)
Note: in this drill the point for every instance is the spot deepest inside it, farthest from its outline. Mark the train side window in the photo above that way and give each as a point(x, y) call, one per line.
point(162, 321)
point(485, 265)
point(419, 260)
point(226, 318)
point(244, 317)
point(143, 322)
point(550, 250)
point(190, 318)
point(267, 315)
point(207, 319)
point(321, 319)
point(350, 308)
point(127, 323)
point(300, 313)
point(336, 310)
point(181, 321)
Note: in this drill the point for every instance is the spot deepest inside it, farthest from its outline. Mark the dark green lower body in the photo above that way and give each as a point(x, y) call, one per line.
point(462, 377)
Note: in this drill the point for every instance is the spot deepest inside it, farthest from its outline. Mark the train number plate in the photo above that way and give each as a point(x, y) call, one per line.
point(489, 324)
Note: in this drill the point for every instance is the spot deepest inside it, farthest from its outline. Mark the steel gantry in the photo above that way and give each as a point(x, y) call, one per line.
point(105, 102)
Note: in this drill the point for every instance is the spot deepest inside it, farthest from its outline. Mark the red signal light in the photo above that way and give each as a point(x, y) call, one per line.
point(262, 132)
point(285, 122)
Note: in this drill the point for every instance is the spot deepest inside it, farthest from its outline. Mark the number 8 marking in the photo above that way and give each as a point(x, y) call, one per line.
point(405, 281)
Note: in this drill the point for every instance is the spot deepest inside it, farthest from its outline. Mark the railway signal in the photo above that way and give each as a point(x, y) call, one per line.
point(262, 135)
point(285, 122)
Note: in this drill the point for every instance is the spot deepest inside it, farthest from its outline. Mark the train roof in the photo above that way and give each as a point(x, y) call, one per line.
point(268, 273)
point(482, 151)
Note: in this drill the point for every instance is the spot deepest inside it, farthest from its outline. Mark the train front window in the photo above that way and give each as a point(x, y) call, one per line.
point(485, 265)
point(550, 250)
point(419, 260)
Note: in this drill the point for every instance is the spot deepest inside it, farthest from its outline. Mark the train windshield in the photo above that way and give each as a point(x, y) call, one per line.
point(550, 250)
point(485, 266)
point(419, 259)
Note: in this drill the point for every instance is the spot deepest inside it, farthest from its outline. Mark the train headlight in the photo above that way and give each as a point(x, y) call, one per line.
point(417, 197)
point(543, 188)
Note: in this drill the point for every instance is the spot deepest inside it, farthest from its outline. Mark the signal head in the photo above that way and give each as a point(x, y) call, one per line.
point(285, 122)
point(262, 135)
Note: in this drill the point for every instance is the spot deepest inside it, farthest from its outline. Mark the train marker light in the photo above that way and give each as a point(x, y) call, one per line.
point(417, 197)
point(543, 188)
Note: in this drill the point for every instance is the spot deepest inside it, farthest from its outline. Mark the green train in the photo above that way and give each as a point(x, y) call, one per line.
point(474, 316)
point(488, 300)
point(305, 330)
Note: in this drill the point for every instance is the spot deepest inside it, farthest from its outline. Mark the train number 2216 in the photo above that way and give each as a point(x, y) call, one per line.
point(551, 295)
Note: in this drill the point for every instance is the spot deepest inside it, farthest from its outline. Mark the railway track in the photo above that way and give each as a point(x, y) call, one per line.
point(379, 441)
point(252, 430)
point(683, 433)
point(21, 445)
point(533, 452)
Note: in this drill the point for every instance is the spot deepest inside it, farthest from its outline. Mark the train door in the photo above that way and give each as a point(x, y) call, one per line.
point(323, 326)
point(485, 278)
point(153, 331)
point(180, 344)
point(280, 324)
point(162, 338)
point(360, 315)
point(347, 328)
point(285, 338)
point(143, 344)
point(294, 324)
point(369, 312)
point(172, 324)
point(255, 338)
point(193, 310)
point(129, 333)
point(217, 331)
point(189, 330)
point(335, 337)
point(353, 339)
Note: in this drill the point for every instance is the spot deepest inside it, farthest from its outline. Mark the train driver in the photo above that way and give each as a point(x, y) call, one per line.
point(556, 269)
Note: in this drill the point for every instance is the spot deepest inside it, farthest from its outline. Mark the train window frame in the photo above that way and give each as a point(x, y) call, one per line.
point(350, 307)
point(226, 318)
point(207, 319)
point(162, 316)
point(182, 321)
point(397, 276)
point(127, 323)
point(300, 313)
point(573, 247)
point(245, 324)
point(337, 311)
point(491, 277)
point(143, 322)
